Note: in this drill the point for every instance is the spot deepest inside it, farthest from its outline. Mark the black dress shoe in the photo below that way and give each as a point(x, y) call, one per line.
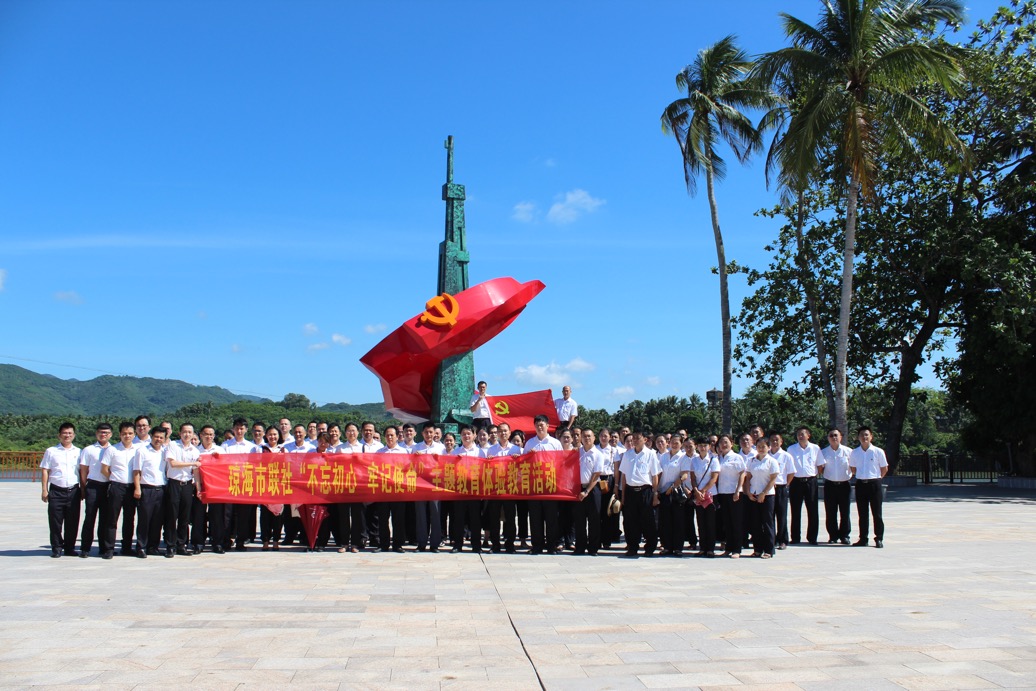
point(169, 553)
point(184, 552)
point(398, 550)
point(862, 542)
point(71, 553)
point(83, 554)
point(141, 554)
point(126, 552)
point(455, 550)
point(241, 547)
point(107, 555)
point(198, 549)
point(844, 541)
point(153, 552)
point(878, 544)
point(55, 554)
point(218, 549)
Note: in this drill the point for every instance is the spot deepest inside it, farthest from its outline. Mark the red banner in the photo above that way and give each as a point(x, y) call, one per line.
point(315, 478)
point(518, 410)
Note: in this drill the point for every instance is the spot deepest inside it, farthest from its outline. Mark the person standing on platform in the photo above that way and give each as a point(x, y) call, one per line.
point(732, 469)
point(391, 510)
point(704, 476)
point(61, 491)
point(612, 454)
point(759, 491)
point(91, 477)
point(568, 409)
point(116, 466)
point(638, 489)
point(803, 489)
point(181, 460)
point(244, 514)
point(218, 514)
point(671, 514)
point(833, 466)
point(507, 508)
point(482, 415)
point(149, 480)
point(587, 513)
point(543, 513)
point(869, 464)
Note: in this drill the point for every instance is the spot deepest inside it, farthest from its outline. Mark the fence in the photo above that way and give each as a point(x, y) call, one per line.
point(20, 465)
point(930, 468)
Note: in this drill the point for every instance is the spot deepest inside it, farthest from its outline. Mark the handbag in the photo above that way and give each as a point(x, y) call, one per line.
point(680, 494)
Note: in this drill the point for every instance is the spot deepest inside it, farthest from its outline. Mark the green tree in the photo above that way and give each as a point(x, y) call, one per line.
point(718, 91)
point(857, 69)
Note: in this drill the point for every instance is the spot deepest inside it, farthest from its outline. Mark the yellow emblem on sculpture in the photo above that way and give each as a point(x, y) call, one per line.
point(442, 310)
point(501, 408)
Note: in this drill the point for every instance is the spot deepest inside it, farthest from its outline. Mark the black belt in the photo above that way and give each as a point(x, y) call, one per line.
point(804, 479)
point(97, 482)
point(63, 489)
point(182, 482)
point(836, 482)
point(606, 477)
point(151, 486)
point(877, 479)
point(638, 488)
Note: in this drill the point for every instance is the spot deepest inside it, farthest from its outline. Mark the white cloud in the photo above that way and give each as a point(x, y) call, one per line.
point(3, 278)
point(550, 163)
point(309, 329)
point(318, 346)
point(69, 296)
point(374, 328)
point(235, 348)
point(524, 212)
point(202, 314)
point(553, 374)
point(341, 340)
point(622, 391)
point(572, 205)
point(654, 381)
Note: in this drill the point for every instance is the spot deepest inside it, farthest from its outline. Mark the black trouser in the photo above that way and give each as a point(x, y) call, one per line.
point(566, 524)
point(63, 515)
point(706, 526)
point(639, 518)
point(346, 521)
point(671, 518)
point(292, 527)
point(480, 423)
point(395, 540)
point(270, 523)
point(429, 526)
point(470, 509)
point(149, 516)
point(836, 505)
point(198, 527)
point(780, 511)
point(763, 528)
point(543, 525)
point(244, 523)
point(804, 489)
point(220, 518)
point(370, 524)
point(868, 495)
point(121, 501)
point(609, 524)
point(732, 513)
point(509, 508)
point(491, 522)
point(522, 514)
point(690, 533)
point(179, 497)
point(95, 512)
point(587, 519)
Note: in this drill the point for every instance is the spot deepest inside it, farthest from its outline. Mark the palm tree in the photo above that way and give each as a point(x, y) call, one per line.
point(857, 69)
point(717, 90)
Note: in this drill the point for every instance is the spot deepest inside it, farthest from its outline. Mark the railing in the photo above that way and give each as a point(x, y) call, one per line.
point(931, 468)
point(20, 465)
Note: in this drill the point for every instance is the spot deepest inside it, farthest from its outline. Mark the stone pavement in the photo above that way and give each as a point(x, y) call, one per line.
point(949, 603)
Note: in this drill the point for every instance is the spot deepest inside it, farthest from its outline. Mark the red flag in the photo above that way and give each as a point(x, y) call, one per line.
point(519, 409)
point(407, 359)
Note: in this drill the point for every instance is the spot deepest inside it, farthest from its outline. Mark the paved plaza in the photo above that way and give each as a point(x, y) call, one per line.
point(950, 603)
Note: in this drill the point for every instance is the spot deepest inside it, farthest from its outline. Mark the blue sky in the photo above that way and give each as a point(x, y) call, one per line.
point(248, 194)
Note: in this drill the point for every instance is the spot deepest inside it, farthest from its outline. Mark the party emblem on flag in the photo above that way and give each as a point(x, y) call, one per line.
point(502, 408)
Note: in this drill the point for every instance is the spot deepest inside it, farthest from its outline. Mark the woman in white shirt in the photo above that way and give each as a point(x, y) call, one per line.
point(271, 516)
point(732, 469)
point(759, 490)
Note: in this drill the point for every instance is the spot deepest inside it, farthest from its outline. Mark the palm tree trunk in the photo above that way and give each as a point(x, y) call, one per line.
point(724, 300)
point(842, 347)
point(809, 290)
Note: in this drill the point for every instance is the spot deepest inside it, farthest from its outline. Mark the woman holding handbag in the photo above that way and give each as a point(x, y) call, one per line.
point(705, 475)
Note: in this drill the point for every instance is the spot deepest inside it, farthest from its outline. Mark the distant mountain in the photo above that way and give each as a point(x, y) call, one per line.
point(24, 392)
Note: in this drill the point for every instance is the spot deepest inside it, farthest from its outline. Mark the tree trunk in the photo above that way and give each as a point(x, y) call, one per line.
point(814, 315)
point(724, 301)
point(845, 304)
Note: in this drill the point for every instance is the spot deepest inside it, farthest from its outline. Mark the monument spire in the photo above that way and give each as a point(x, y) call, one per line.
point(456, 378)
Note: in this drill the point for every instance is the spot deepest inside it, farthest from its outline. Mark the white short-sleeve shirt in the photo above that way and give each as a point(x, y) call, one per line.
point(566, 409)
point(640, 468)
point(151, 464)
point(90, 457)
point(63, 465)
point(703, 468)
point(483, 410)
point(836, 463)
point(785, 465)
point(590, 462)
point(671, 466)
point(761, 469)
point(868, 463)
point(806, 459)
point(549, 443)
point(730, 468)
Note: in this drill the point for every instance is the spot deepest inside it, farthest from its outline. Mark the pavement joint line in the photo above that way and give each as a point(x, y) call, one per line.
point(510, 620)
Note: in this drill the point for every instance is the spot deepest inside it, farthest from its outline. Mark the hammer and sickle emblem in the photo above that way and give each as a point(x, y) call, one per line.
point(501, 408)
point(442, 310)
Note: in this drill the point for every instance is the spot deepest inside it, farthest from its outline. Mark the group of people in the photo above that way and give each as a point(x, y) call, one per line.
point(675, 495)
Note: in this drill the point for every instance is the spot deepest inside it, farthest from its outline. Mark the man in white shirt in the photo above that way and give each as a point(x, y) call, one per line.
point(586, 516)
point(482, 415)
point(61, 491)
point(244, 514)
point(803, 488)
point(428, 518)
point(96, 491)
point(506, 507)
point(116, 468)
point(638, 489)
point(466, 509)
point(284, 425)
point(181, 460)
point(369, 444)
point(869, 465)
point(612, 452)
point(219, 515)
point(299, 443)
point(142, 425)
point(568, 409)
point(544, 528)
point(833, 466)
point(149, 480)
point(391, 510)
